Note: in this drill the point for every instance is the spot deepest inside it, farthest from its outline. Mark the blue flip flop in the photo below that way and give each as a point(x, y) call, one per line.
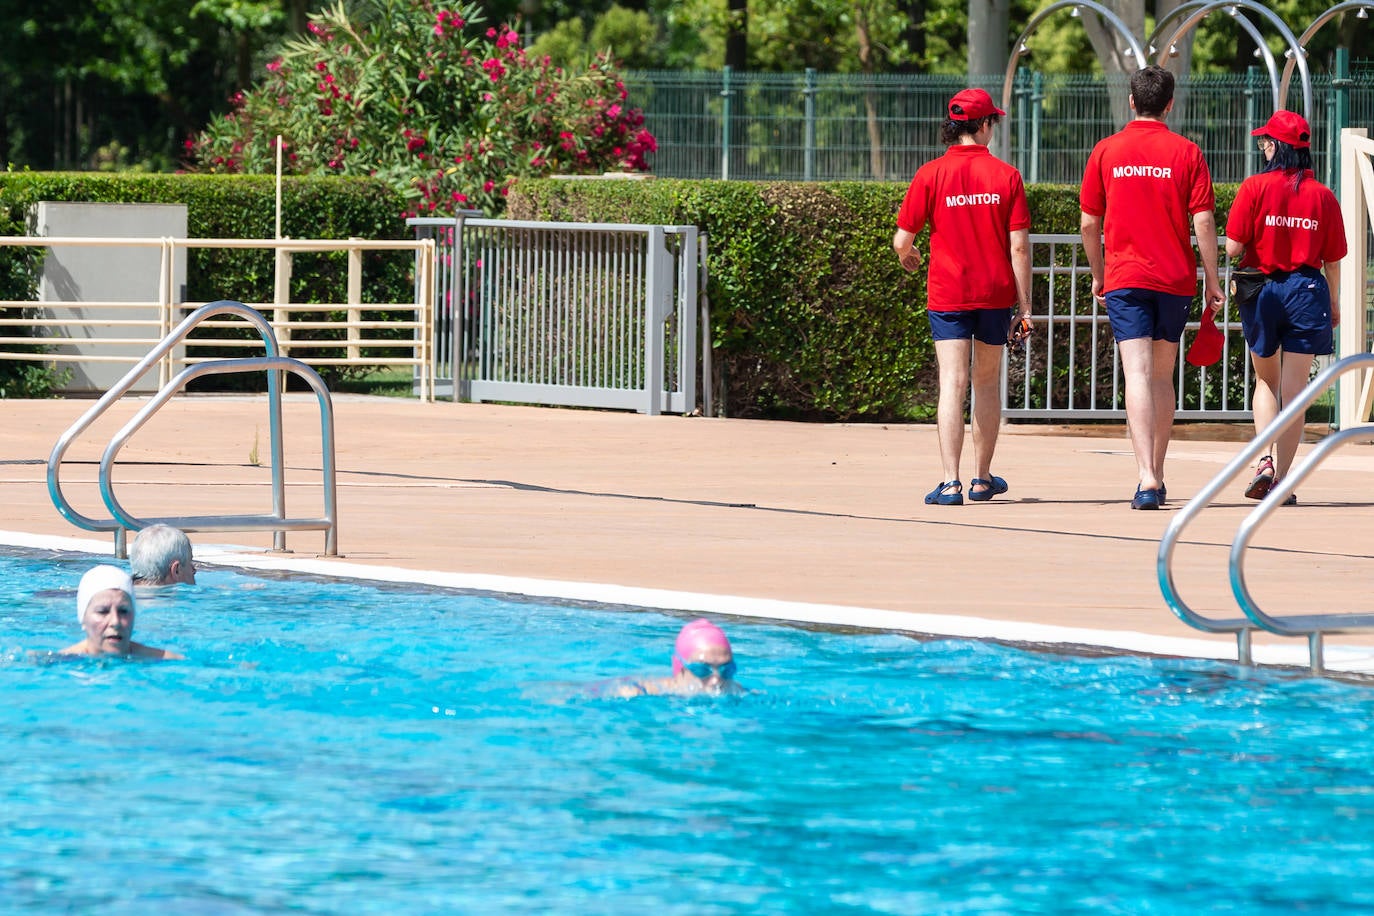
point(1146, 499)
point(995, 487)
point(940, 497)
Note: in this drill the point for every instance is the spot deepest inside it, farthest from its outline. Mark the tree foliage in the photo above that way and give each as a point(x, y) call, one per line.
point(424, 95)
point(94, 84)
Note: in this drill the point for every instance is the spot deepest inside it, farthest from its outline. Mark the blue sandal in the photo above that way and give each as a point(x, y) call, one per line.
point(940, 496)
point(994, 487)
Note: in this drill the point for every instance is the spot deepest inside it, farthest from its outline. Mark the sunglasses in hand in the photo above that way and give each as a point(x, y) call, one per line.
point(1019, 332)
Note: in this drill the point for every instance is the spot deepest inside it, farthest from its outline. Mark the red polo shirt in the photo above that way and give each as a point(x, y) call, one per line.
point(1283, 229)
point(972, 201)
point(1147, 182)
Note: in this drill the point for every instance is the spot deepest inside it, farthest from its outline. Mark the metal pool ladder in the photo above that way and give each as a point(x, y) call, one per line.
point(1312, 626)
point(121, 521)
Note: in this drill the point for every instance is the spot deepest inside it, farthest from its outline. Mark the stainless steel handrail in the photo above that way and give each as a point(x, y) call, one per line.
point(276, 522)
point(1312, 626)
point(120, 521)
point(1255, 618)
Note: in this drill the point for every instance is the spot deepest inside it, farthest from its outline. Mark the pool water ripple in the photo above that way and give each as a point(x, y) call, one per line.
point(334, 747)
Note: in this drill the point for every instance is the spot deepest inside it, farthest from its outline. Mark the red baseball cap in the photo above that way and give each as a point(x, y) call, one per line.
point(972, 104)
point(1206, 347)
point(1286, 127)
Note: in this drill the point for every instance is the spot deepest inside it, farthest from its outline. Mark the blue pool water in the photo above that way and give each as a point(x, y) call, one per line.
point(329, 747)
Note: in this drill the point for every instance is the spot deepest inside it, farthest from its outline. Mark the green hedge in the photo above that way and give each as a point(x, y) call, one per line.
point(812, 317)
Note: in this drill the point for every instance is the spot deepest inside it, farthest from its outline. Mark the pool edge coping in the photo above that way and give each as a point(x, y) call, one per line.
point(1342, 659)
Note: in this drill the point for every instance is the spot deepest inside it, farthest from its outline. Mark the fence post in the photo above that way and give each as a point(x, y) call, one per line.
point(809, 154)
point(725, 94)
point(281, 297)
point(1352, 337)
point(355, 298)
point(657, 282)
point(684, 307)
point(167, 294)
point(1340, 93)
point(1252, 119)
point(707, 339)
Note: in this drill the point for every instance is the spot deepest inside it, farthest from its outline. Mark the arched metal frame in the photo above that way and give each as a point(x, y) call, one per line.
point(1364, 8)
point(1295, 51)
point(1019, 49)
point(1261, 46)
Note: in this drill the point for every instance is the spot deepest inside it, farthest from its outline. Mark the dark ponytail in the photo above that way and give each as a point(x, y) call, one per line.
point(1290, 160)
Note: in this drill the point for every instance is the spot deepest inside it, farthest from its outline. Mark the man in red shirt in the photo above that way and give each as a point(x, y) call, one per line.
point(980, 270)
point(1145, 184)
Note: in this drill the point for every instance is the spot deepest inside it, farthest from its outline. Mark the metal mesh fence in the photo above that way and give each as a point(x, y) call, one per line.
point(826, 127)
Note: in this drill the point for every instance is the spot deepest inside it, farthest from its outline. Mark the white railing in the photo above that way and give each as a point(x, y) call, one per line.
point(1070, 369)
point(71, 329)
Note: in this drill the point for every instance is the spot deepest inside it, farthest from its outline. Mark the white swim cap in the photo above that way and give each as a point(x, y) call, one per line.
point(98, 579)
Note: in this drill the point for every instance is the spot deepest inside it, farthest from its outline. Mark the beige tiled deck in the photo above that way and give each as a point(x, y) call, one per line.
point(819, 514)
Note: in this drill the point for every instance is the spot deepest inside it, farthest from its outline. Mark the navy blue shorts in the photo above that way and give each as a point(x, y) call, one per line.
point(987, 325)
point(1293, 313)
point(1136, 313)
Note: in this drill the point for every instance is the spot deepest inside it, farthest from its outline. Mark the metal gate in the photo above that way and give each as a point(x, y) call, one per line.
point(578, 314)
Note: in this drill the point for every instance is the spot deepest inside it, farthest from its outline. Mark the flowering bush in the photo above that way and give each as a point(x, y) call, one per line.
point(421, 94)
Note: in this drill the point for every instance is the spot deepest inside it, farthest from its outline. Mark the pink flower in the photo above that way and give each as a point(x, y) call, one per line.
point(275, 65)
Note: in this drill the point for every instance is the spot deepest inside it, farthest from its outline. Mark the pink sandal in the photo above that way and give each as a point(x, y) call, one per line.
point(1264, 479)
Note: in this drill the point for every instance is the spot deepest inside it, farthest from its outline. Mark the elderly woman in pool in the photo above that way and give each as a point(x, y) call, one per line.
point(703, 663)
point(105, 609)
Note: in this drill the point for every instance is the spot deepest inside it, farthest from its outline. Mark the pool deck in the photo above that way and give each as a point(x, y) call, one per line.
point(822, 523)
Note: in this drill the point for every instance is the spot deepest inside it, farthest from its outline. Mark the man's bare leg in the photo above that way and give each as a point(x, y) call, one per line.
point(1137, 365)
point(987, 404)
point(953, 358)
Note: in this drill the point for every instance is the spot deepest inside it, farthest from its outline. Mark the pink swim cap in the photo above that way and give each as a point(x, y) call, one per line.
point(699, 634)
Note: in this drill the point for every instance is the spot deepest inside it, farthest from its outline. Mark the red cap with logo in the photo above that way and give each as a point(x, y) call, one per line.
point(972, 104)
point(1286, 127)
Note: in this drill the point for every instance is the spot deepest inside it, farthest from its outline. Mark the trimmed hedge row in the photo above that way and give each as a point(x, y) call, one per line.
point(812, 317)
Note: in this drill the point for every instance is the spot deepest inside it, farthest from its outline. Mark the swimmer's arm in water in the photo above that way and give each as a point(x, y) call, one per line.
point(627, 691)
point(136, 649)
point(142, 651)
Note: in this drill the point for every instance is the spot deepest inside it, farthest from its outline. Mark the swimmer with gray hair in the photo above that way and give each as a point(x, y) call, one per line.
point(105, 608)
point(161, 555)
point(703, 663)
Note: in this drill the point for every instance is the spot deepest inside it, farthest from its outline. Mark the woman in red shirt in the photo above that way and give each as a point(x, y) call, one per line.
point(1287, 224)
point(980, 273)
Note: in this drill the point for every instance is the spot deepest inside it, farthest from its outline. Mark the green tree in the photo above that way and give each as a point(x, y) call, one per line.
point(89, 83)
point(631, 38)
point(421, 94)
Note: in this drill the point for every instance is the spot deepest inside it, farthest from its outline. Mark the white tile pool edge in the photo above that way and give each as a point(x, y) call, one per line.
point(1339, 658)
